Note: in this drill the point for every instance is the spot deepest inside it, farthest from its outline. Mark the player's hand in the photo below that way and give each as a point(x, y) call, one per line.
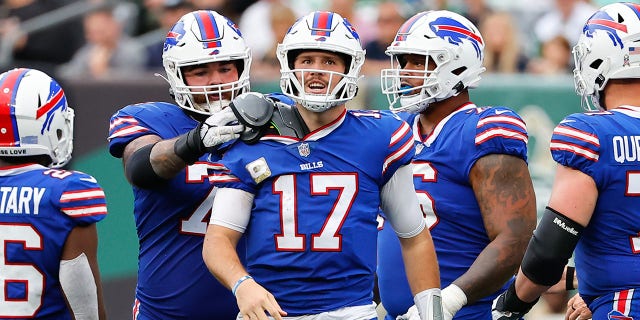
point(219, 128)
point(577, 309)
point(412, 314)
point(255, 302)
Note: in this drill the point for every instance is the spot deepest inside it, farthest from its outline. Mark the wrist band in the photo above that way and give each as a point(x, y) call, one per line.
point(569, 278)
point(241, 280)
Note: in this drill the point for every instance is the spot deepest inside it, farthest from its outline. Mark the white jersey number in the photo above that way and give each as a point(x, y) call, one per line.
point(426, 172)
point(329, 238)
point(22, 274)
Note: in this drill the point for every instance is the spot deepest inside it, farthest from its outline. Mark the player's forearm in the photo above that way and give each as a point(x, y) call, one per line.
point(495, 265)
point(420, 262)
point(220, 256)
point(164, 160)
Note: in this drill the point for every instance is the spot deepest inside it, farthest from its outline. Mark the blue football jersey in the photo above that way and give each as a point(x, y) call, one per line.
point(38, 209)
point(441, 167)
point(606, 147)
point(171, 220)
point(311, 238)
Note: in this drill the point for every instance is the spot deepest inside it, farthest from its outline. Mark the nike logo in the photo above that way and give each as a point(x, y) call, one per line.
point(567, 121)
point(90, 179)
point(501, 111)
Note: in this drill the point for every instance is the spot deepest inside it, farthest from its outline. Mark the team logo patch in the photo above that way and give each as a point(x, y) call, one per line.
point(259, 170)
point(304, 149)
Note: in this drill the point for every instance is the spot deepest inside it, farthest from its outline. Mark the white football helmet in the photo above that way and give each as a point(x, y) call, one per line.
point(34, 117)
point(448, 39)
point(201, 37)
point(326, 31)
point(609, 48)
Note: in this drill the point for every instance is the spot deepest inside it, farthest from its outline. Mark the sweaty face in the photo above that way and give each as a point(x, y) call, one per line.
point(215, 74)
point(327, 71)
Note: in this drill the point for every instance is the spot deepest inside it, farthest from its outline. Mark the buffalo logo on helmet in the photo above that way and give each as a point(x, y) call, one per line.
point(174, 35)
point(602, 21)
point(454, 32)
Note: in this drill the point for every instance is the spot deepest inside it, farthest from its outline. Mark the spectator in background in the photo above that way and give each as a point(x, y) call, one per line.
point(390, 19)
point(168, 15)
point(281, 17)
point(476, 10)
point(44, 48)
point(254, 24)
point(565, 19)
point(108, 52)
point(502, 45)
point(555, 58)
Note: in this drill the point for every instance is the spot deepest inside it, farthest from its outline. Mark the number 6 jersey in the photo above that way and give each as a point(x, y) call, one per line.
point(441, 169)
point(38, 209)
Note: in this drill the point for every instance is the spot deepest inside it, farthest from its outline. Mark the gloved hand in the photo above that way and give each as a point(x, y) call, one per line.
point(220, 128)
point(507, 306)
point(217, 129)
point(412, 314)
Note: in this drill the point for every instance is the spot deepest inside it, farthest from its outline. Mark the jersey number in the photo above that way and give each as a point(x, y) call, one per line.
point(196, 223)
point(426, 172)
point(24, 277)
point(329, 237)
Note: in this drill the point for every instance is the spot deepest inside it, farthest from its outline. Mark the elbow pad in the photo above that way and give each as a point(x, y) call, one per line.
point(550, 248)
point(139, 170)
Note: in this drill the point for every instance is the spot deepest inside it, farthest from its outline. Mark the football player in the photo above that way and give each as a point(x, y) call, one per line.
point(594, 208)
point(48, 236)
point(306, 201)
point(469, 170)
point(163, 148)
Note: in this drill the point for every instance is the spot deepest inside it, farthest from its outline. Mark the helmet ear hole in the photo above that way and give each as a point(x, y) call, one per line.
point(596, 64)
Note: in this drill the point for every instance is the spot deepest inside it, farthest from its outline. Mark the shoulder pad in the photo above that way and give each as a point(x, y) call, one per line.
point(287, 121)
point(253, 110)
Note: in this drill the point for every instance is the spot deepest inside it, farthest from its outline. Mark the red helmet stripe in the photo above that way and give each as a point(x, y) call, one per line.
point(9, 135)
point(610, 24)
point(208, 29)
point(322, 23)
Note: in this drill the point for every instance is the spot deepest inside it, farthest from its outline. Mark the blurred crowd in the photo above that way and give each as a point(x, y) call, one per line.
point(102, 39)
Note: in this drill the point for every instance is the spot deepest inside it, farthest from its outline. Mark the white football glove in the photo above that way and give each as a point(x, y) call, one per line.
point(219, 128)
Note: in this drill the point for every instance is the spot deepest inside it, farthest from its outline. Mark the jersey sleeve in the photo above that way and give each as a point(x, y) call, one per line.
point(401, 148)
point(125, 126)
point(83, 199)
point(575, 144)
point(500, 130)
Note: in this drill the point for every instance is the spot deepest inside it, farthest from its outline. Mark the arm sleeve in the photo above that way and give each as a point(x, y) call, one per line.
point(79, 287)
point(232, 208)
point(400, 203)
